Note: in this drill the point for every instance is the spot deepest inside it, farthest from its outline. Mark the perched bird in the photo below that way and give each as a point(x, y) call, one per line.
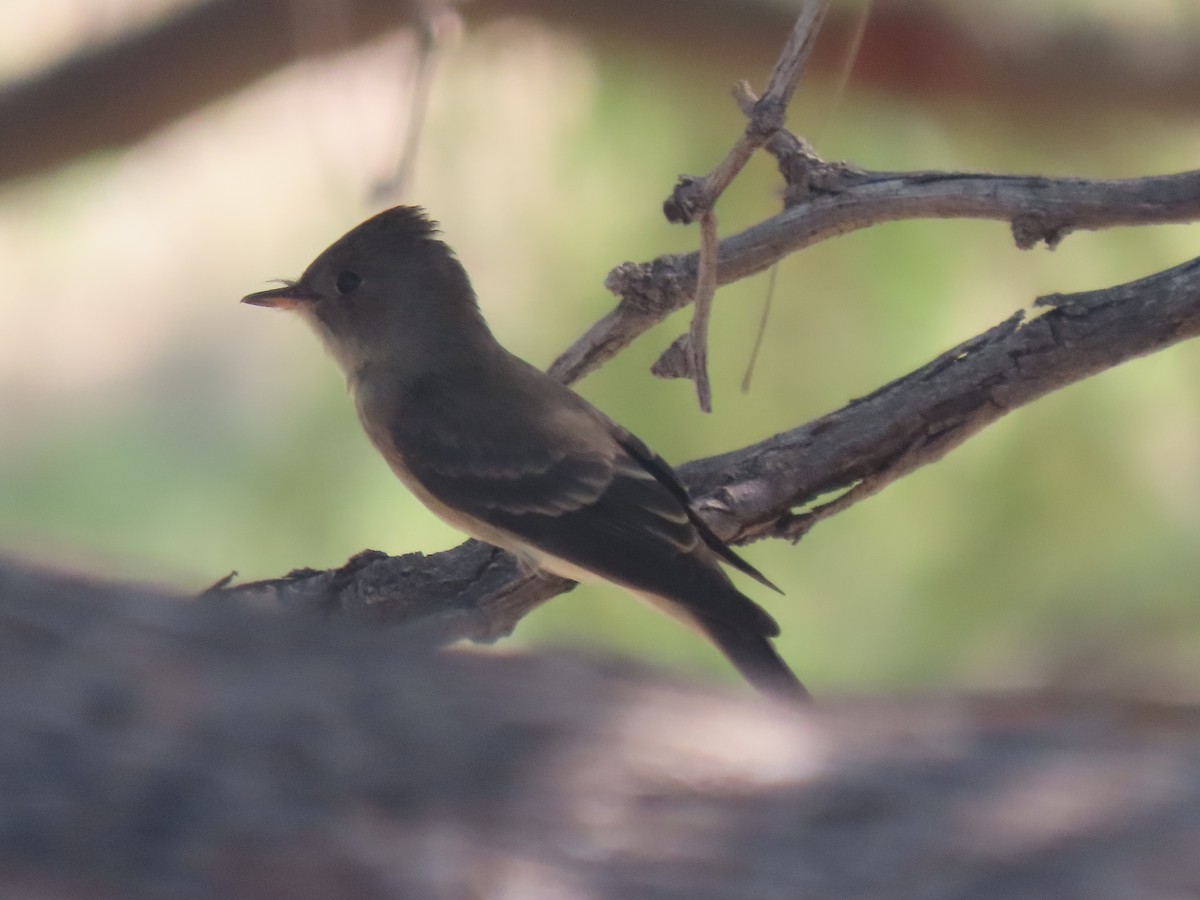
point(504, 452)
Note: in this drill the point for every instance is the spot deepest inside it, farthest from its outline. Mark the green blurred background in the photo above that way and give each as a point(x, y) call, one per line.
point(153, 429)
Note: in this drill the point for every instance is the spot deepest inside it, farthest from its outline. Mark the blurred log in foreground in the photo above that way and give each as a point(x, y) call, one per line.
point(152, 747)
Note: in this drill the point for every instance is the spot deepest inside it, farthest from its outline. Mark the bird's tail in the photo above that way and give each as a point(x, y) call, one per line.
point(754, 656)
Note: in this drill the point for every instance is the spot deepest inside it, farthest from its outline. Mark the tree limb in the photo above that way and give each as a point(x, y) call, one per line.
point(152, 748)
point(838, 199)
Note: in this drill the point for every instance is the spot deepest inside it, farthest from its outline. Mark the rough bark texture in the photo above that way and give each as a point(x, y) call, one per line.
point(827, 200)
point(153, 747)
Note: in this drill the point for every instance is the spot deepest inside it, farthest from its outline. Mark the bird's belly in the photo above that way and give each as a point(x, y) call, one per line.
point(529, 555)
point(566, 569)
point(552, 564)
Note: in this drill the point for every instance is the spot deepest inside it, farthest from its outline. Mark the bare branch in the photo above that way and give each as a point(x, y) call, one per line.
point(919, 418)
point(840, 199)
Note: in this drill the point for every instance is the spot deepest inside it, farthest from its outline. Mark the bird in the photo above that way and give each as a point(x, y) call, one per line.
point(499, 449)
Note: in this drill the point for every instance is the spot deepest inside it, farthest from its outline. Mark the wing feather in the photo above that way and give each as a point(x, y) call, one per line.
point(573, 486)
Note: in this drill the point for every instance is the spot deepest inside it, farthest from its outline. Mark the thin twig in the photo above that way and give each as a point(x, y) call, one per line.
point(693, 196)
point(706, 289)
point(437, 28)
point(761, 334)
point(786, 74)
point(845, 68)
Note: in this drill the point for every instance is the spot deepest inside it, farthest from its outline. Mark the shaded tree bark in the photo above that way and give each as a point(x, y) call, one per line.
point(154, 748)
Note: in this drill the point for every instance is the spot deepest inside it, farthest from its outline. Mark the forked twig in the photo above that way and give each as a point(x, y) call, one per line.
point(694, 198)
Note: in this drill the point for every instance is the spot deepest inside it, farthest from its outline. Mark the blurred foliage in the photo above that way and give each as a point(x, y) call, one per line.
point(1060, 544)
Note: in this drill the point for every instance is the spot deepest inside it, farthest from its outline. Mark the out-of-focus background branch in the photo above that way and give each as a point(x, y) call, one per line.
point(154, 430)
point(159, 749)
point(121, 90)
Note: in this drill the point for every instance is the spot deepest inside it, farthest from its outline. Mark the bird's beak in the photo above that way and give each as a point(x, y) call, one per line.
point(288, 296)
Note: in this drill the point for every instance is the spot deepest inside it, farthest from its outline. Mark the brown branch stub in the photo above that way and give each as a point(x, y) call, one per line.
point(674, 362)
point(794, 526)
point(1038, 226)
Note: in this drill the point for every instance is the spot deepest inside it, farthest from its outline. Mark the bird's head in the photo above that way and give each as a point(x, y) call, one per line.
point(386, 292)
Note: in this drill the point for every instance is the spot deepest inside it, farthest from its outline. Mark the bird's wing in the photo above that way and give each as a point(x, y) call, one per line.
point(662, 471)
point(573, 492)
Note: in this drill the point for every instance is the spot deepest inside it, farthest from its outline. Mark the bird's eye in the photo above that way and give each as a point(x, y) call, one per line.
point(347, 281)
